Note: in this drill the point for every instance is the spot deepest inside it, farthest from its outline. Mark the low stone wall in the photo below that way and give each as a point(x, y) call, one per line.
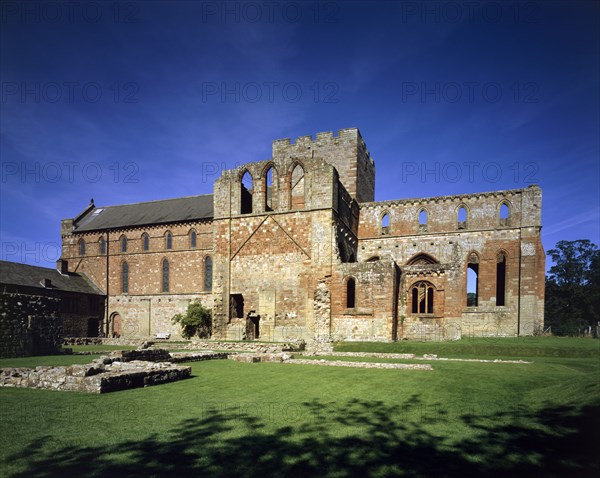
point(178, 357)
point(29, 325)
point(343, 363)
point(257, 347)
point(257, 358)
point(97, 377)
point(101, 341)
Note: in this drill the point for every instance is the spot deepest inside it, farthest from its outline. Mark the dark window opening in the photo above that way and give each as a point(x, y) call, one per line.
point(145, 242)
point(193, 239)
point(208, 274)
point(246, 193)
point(351, 294)
point(169, 241)
point(123, 244)
point(82, 247)
point(125, 278)
point(236, 306)
point(165, 276)
point(102, 246)
point(422, 298)
point(501, 280)
point(269, 190)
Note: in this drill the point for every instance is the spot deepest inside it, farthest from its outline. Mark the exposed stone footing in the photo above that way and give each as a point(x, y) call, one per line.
point(97, 377)
point(343, 363)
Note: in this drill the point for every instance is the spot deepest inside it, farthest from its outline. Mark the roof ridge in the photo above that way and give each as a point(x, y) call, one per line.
point(155, 200)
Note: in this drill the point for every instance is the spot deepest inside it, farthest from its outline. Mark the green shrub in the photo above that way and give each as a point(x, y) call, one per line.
point(196, 321)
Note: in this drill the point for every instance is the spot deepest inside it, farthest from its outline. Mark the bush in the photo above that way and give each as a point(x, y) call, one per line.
point(196, 321)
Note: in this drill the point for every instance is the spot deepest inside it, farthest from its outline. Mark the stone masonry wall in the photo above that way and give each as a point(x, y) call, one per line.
point(29, 325)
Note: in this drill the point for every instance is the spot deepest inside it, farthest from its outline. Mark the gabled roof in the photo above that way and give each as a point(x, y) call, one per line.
point(15, 273)
point(145, 213)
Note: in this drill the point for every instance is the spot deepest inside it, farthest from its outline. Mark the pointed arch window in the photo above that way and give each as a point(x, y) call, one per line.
point(82, 247)
point(350, 293)
point(168, 241)
point(269, 189)
point(462, 218)
point(422, 298)
point(501, 279)
point(125, 278)
point(102, 246)
point(145, 242)
point(165, 276)
point(123, 244)
point(504, 214)
point(297, 188)
point(193, 239)
point(472, 280)
point(422, 220)
point(246, 193)
point(385, 224)
point(208, 266)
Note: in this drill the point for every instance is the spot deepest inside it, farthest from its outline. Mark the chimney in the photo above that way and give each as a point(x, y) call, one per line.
point(62, 266)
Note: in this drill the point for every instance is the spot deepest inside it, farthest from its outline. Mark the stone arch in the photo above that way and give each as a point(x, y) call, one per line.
point(422, 297)
point(271, 190)
point(297, 185)
point(472, 279)
point(422, 258)
point(246, 182)
point(115, 325)
point(384, 221)
point(422, 218)
point(350, 292)
point(504, 212)
point(462, 220)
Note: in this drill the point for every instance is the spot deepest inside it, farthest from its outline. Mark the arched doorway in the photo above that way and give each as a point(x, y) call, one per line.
point(115, 325)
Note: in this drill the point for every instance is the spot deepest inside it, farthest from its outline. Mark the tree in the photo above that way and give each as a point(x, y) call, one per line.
point(196, 321)
point(572, 287)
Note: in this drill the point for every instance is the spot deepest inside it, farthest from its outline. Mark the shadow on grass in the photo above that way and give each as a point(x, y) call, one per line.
point(364, 438)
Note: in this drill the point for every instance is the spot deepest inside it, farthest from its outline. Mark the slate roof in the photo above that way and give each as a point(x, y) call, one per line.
point(145, 213)
point(15, 273)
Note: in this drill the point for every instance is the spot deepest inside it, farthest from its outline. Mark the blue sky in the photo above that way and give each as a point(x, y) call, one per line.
point(142, 100)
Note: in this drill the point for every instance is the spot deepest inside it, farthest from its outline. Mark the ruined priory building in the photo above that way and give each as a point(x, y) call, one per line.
point(296, 247)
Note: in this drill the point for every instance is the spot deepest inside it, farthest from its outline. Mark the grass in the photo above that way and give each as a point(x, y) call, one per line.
point(485, 347)
point(254, 420)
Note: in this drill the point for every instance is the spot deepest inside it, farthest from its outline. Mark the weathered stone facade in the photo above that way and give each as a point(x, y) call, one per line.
point(295, 247)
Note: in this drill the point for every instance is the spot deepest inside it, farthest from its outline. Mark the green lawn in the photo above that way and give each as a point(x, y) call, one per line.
point(261, 420)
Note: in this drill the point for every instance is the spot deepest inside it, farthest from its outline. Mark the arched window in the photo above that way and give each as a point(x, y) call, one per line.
point(124, 278)
point(472, 280)
point(208, 274)
point(145, 242)
point(422, 298)
point(165, 276)
point(504, 214)
point(192, 239)
point(246, 194)
point(351, 293)
point(168, 241)
point(462, 218)
point(422, 220)
point(102, 246)
point(501, 279)
point(269, 189)
point(123, 244)
point(82, 247)
point(297, 188)
point(385, 224)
